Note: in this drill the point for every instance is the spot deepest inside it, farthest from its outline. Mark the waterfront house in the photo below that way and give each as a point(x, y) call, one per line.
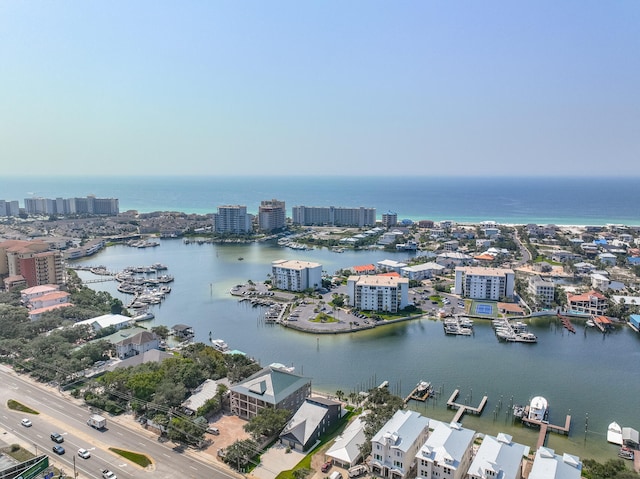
point(549, 465)
point(345, 450)
point(182, 331)
point(593, 303)
point(446, 453)
point(451, 259)
point(117, 321)
point(270, 387)
point(139, 343)
point(313, 419)
point(394, 446)
point(498, 457)
point(634, 322)
point(28, 294)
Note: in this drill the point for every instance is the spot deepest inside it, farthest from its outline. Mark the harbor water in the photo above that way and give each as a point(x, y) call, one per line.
point(591, 376)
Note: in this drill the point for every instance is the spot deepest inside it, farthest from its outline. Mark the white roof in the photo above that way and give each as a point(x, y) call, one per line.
point(424, 267)
point(548, 465)
point(346, 448)
point(497, 454)
point(105, 321)
point(391, 264)
point(447, 444)
point(402, 430)
point(207, 390)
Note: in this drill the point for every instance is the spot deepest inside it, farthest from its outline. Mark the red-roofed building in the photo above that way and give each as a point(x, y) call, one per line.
point(510, 308)
point(593, 302)
point(364, 269)
point(391, 274)
point(484, 257)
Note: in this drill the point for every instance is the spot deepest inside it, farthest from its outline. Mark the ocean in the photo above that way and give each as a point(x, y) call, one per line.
point(562, 201)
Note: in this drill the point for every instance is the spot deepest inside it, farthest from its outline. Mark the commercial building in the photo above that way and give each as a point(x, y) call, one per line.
point(272, 215)
point(232, 219)
point(30, 263)
point(293, 275)
point(333, 216)
point(378, 293)
point(484, 283)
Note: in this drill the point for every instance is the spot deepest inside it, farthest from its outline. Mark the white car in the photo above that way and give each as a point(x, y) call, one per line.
point(84, 454)
point(26, 422)
point(107, 474)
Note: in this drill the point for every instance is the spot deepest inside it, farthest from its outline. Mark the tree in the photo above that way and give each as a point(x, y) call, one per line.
point(185, 431)
point(240, 453)
point(340, 394)
point(268, 422)
point(161, 331)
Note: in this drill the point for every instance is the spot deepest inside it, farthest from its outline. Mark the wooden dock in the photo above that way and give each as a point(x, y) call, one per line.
point(418, 395)
point(545, 428)
point(566, 322)
point(463, 408)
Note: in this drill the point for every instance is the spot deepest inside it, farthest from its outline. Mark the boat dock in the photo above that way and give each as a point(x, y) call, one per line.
point(545, 428)
point(421, 392)
point(463, 408)
point(566, 323)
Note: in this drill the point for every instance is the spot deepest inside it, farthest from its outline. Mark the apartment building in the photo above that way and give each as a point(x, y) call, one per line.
point(293, 275)
point(394, 446)
point(378, 293)
point(232, 219)
point(89, 205)
point(334, 216)
point(389, 219)
point(484, 283)
point(32, 261)
point(9, 208)
point(272, 215)
point(542, 290)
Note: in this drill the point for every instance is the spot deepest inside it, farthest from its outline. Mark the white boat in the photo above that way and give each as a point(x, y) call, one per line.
point(423, 387)
point(220, 345)
point(146, 316)
point(538, 409)
point(614, 433)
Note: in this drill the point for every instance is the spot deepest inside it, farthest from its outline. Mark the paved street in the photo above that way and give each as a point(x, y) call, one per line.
point(61, 413)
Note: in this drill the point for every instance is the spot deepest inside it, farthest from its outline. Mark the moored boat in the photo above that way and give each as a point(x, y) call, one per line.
point(538, 409)
point(220, 345)
point(614, 433)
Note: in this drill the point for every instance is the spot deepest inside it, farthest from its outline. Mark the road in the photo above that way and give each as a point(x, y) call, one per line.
point(59, 413)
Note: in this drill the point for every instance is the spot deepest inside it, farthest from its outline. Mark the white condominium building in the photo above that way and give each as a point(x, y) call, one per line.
point(484, 283)
point(332, 215)
point(272, 215)
point(232, 219)
point(291, 275)
point(378, 293)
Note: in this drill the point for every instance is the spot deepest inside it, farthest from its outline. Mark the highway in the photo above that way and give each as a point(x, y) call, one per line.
point(60, 413)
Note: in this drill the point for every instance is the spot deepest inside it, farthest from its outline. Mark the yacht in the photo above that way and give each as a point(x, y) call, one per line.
point(220, 345)
point(145, 316)
point(538, 409)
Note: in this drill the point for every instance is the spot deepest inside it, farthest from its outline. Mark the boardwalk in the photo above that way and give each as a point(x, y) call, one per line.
point(463, 408)
point(545, 427)
point(566, 322)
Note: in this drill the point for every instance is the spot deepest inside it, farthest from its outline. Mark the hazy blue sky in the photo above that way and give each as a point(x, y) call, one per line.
point(332, 87)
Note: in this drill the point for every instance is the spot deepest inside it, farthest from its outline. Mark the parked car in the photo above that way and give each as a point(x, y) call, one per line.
point(84, 454)
point(59, 450)
point(326, 466)
point(26, 422)
point(55, 437)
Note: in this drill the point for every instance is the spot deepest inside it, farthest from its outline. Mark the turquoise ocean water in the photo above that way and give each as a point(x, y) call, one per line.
point(596, 201)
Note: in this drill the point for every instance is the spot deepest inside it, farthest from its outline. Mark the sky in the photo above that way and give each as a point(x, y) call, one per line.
point(424, 88)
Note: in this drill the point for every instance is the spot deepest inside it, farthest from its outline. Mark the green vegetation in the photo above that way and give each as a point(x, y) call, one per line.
point(17, 452)
point(612, 469)
point(324, 318)
point(16, 406)
point(267, 422)
point(135, 457)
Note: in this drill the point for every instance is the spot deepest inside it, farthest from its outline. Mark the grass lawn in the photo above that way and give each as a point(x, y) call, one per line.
point(16, 406)
point(135, 457)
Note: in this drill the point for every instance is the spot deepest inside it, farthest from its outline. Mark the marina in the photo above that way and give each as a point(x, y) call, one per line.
point(463, 408)
point(331, 360)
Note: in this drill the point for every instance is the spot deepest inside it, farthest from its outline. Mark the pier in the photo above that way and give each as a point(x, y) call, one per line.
point(566, 323)
point(546, 427)
point(463, 408)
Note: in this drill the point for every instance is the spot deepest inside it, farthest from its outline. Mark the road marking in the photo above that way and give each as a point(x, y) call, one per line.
point(119, 433)
point(194, 468)
point(166, 455)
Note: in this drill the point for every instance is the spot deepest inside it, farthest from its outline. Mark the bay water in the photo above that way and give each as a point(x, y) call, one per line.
point(591, 376)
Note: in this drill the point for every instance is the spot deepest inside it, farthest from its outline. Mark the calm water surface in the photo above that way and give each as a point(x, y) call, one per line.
point(594, 378)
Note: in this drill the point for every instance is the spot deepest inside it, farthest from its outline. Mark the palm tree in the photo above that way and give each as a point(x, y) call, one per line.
point(340, 394)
